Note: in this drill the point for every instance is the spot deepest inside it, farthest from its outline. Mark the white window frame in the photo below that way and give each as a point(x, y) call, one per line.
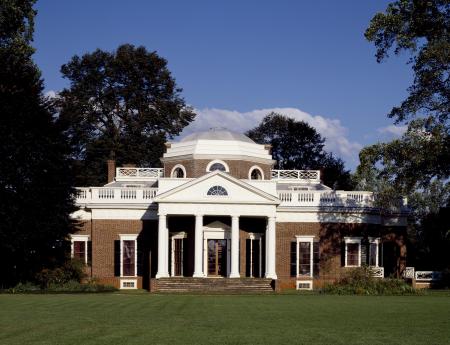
point(174, 236)
point(172, 172)
point(257, 168)
point(124, 281)
point(128, 237)
point(358, 240)
point(255, 237)
point(79, 238)
point(227, 169)
point(309, 239)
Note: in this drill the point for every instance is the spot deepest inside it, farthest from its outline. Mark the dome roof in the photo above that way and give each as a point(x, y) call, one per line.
point(217, 134)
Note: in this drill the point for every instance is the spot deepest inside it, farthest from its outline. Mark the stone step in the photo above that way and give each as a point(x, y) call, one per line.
point(229, 285)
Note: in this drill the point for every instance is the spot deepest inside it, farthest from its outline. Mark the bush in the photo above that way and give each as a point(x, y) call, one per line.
point(71, 286)
point(360, 281)
point(72, 270)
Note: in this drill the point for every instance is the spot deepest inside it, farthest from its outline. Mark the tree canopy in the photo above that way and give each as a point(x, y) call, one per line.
point(35, 172)
point(120, 105)
point(416, 165)
point(297, 145)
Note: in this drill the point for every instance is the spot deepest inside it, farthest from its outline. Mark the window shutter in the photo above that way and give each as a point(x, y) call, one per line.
point(89, 253)
point(364, 254)
point(293, 259)
point(343, 254)
point(316, 259)
point(117, 258)
point(380, 254)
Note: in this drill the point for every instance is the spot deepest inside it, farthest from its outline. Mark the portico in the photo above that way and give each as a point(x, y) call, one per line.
point(216, 245)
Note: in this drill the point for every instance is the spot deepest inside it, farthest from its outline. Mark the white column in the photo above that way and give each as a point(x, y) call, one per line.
point(162, 247)
point(198, 250)
point(270, 247)
point(234, 247)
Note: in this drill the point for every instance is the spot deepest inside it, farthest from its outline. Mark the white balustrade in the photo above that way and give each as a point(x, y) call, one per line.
point(326, 198)
point(305, 175)
point(408, 273)
point(377, 272)
point(428, 276)
point(114, 195)
point(138, 174)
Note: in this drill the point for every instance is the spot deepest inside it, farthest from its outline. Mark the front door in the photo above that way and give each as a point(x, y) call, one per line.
point(217, 258)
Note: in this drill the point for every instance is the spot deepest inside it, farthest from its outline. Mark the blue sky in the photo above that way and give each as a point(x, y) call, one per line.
point(237, 60)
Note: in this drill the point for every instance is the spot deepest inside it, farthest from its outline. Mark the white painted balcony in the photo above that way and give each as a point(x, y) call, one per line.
point(297, 175)
point(326, 198)
point(138, 174)
point(118, 195)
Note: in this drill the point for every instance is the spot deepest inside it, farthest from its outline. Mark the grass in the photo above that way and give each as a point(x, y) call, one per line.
point(127, 318)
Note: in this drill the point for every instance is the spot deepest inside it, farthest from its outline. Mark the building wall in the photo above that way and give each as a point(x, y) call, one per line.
point(197, 167)
point(330, 237)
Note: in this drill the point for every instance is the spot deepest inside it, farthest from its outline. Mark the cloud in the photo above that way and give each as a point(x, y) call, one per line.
point(50, 94)
point(392, 130)
point(336, 134)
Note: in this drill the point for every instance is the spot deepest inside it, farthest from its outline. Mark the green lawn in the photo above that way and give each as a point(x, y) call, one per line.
point(122, 318)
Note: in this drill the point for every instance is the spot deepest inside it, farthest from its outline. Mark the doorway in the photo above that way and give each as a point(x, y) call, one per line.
point(217, 258)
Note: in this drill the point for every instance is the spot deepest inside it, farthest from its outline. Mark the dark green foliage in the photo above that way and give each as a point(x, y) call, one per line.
point(35, 171)
point(71, 286)
point(71, 270)
point(418, 164)
point(297, 145)
point(359, 281)
point(121, 105)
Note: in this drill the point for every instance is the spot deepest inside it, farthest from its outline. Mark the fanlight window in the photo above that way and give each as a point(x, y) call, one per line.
point(178, 173)
point(256, 174)
point(217, 166)
point(217, 190)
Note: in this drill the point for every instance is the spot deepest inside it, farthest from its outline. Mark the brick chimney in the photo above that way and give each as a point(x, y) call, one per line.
point(111, 169)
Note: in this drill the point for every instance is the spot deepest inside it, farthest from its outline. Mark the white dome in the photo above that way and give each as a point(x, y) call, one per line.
point(218, 143)
point(217, 134)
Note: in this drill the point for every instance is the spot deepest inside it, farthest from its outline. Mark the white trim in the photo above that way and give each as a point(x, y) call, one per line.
point(308, 282)
point(253, 168)
point(310, 239)
point(255, 237)
point(358, 240)
point(79, 238)
point(220, 231)
point(128, 237)
point(133, 281)
point(176, 236)
point(176, 167)
point(227, 169)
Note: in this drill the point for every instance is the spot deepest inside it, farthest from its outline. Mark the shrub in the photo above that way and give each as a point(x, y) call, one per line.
point(360, 281)
point(70, 286)
point(72, 270)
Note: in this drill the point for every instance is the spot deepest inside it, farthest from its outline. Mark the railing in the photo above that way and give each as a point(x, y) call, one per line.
point(326, 198)
point(408, 273)
point(428, 276)
point(114, 195)
point(377, 272)
point(302, 175)
point(138, 174)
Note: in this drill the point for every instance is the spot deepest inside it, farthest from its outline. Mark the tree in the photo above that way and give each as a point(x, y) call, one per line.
point(297, 145)
point(418, 164)
point(35, 173)
point(121, 105)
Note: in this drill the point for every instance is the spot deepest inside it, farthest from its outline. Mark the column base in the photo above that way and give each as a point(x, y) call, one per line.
point(271, 276)
point(198, 275)
point(162, 275)
point(234, 275)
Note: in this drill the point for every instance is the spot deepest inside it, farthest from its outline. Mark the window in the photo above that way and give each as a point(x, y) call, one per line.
point(178, 171)
point(217, 165)
point(217, 191)
point(128, 255)
point(304, 257)
point(80, 248)
point(360, 251)
point(255, 173)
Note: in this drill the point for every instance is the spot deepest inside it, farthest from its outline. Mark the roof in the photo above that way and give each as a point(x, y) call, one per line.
point(217, 134)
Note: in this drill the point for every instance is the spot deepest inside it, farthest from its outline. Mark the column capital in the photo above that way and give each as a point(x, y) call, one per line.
point(198, 215)
point(162, 214)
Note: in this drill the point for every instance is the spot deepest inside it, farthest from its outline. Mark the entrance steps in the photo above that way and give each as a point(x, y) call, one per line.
point(214, 285)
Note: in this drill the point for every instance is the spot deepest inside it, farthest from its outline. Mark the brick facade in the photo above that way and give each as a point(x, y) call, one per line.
point(197, 167)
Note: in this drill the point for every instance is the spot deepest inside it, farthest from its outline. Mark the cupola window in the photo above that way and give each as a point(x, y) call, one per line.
point(217, 166)
point(255, 173)
point(217, 190)
point(178, 171)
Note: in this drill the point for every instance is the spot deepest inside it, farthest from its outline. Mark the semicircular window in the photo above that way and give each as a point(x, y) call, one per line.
point(217, 190)
point(217, 166)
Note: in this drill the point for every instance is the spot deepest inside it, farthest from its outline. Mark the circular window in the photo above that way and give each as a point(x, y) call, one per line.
point(256, 173)
point(178, 171)
point(217, 165)
point(217, 190)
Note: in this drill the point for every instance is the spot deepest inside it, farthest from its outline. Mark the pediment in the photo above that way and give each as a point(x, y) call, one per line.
point(236, 191)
